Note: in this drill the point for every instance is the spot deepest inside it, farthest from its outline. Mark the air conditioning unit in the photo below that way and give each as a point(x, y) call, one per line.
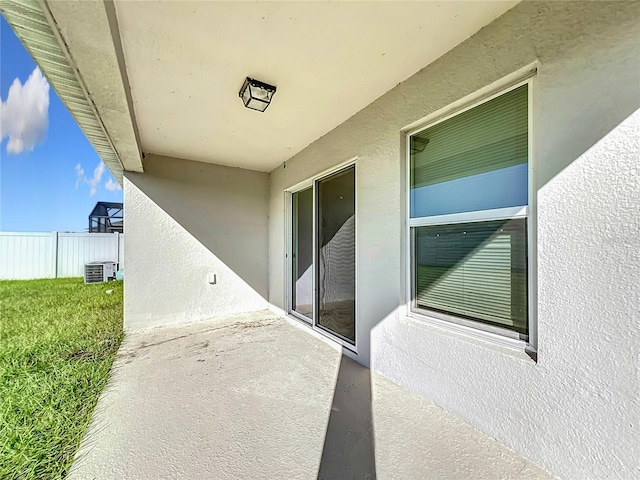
point(97, 272)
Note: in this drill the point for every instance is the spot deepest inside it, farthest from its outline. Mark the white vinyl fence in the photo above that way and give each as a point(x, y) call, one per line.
point(27, 255)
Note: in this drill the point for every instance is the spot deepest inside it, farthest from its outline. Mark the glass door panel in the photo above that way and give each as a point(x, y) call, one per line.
point(302, 254)
point(335, 256)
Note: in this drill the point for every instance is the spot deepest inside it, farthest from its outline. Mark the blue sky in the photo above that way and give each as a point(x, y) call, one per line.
point(50, 175)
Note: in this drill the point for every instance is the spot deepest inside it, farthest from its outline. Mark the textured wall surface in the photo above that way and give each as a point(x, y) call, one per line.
point(186, 221)
point(576, 411)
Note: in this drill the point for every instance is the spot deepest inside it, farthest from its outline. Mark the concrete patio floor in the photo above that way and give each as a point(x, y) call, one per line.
point(255, 397)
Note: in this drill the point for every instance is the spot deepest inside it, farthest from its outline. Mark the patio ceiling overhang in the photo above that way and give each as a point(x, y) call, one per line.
point(163, 77)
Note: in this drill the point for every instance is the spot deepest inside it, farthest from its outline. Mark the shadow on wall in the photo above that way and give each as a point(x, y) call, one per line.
point(581, 95)
point(587, 85)
point(224, 208)
point(349, 444)
point(604, 91)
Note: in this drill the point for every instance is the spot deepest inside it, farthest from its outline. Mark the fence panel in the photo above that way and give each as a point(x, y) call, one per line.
point(76, 249)
point(121, 250)
point(28, 255)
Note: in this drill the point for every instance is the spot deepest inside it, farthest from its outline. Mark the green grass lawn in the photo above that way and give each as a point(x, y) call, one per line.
point(58, 339)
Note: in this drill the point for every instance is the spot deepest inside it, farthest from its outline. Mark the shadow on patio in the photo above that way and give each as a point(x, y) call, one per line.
point(254, 397)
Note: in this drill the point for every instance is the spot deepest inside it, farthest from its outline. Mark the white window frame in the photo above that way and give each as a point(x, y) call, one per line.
point(312, 182)
point(452, 322)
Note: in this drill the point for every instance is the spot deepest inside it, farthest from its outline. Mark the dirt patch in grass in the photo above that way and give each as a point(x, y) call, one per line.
point(58, 339)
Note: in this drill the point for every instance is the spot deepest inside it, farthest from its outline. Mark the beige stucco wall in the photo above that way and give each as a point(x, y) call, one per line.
point(576, 412)
point(186, 221)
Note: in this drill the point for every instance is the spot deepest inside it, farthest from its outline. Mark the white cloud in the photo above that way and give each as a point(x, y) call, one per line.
point(111, 185)
point(93, 182)
point(79, 175)
point(24, 117)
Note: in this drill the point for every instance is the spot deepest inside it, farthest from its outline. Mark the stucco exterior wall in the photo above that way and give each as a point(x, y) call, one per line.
point(575, 411)
point(186, 221)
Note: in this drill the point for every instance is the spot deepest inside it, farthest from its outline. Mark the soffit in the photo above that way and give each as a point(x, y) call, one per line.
point(35, 26)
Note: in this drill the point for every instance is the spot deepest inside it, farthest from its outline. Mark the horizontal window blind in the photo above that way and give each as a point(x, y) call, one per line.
point(489, 137)
point(474, 270)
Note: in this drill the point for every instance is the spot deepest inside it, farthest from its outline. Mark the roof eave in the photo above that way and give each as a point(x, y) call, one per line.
point(35, 25)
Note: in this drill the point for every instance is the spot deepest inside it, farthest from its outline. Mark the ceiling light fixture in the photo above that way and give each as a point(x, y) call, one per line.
point(256, 95)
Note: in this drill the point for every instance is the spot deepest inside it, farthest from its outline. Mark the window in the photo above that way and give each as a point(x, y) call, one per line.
point(468, 216)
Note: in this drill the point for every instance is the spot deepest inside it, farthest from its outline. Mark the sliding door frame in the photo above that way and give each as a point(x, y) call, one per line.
point(289, 254)
point(288, 258)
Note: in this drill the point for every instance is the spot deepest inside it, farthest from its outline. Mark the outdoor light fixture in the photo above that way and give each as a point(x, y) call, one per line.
point(256, 95)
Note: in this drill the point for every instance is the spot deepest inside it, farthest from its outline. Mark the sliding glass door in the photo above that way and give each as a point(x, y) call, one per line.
point(322, 272)
point(336, 231)
point(302, 254)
